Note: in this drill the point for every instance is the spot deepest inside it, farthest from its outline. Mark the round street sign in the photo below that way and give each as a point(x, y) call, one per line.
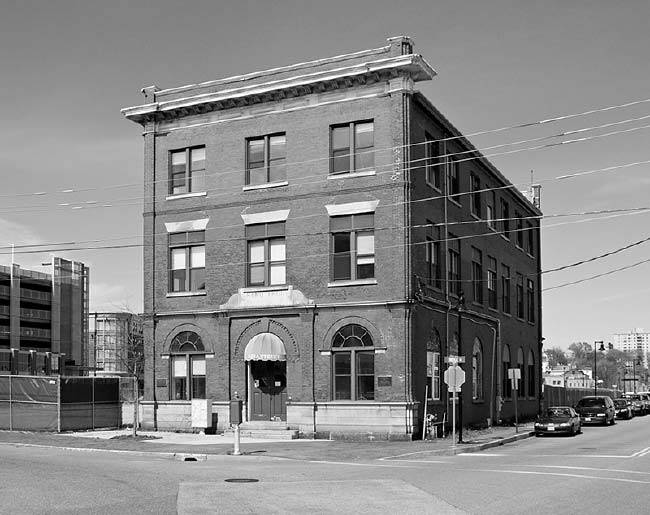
point(454, 378)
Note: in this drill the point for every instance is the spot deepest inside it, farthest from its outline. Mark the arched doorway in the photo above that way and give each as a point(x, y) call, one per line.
point(266, 361)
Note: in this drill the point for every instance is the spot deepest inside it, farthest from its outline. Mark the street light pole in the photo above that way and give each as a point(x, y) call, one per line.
point(596, 348)
point(461, 305)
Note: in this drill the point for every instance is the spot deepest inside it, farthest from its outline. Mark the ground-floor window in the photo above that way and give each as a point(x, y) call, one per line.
point(188, 371)
point(353, 364)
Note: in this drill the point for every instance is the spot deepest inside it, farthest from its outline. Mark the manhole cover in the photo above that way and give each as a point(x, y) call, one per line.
point(241, 480)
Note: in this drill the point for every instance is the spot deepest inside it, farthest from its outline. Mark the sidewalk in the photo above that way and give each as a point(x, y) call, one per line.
point(194, 446)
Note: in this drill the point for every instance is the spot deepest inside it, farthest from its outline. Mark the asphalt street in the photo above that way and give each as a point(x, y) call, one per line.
point(605, 469)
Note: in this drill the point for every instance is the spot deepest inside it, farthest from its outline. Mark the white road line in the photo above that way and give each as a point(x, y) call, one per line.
point(642, 452)
point(587, 468)
point(577, 476)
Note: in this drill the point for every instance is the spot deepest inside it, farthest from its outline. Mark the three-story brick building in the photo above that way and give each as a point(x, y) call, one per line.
point(310, 233)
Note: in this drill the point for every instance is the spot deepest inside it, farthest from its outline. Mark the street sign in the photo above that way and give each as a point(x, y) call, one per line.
point(454, 378)
point(455, 359)
point(514, 374)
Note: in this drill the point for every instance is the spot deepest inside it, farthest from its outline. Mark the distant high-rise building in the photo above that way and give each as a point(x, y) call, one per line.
point(44, 319)
point(115, 343)
point(636, 342)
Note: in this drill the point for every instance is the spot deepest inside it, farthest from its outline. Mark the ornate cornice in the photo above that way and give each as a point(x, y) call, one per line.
point(362, 74)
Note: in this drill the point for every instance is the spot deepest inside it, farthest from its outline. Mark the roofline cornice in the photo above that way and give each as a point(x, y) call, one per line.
point(411, 65)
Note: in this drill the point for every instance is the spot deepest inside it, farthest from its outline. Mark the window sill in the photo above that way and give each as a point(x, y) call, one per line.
point(433, 186)
point(358, 282)
point(350, 175)
point(265, 186)
point(186, 294)
point(186, 195)
point(255, 289)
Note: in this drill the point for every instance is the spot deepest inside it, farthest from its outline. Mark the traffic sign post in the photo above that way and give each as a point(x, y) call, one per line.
point(515, 375)
point(454, 378)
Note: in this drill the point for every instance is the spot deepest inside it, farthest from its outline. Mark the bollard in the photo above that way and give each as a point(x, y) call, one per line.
point(236, 451)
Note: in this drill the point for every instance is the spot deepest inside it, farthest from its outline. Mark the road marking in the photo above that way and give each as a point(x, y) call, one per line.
point(588, 468)
point(577, 476)
point(642, 452)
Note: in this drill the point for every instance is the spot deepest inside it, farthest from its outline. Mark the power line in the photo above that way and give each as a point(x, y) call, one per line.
point(391, 149)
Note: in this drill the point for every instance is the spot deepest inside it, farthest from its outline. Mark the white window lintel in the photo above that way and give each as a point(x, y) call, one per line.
point(188, 225)
point(353, 208)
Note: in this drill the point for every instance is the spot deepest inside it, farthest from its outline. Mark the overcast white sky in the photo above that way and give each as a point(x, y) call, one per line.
point(68, 67)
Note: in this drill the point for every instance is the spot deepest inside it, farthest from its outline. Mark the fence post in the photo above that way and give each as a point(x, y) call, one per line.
point(58, 404)
point(92, 401)
point(11, 425)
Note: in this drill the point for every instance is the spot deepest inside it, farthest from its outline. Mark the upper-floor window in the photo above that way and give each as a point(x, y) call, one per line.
point(530, 240)
point(477, 275)
point(505, 218)
point(352, 147)
point(520, 296)
point(530, 294)
point(266, 159)
point(492, 282)
point(475, 194)
point(187, 170)
point(505, 288)
point(266, 254)
point(433, 168)
point(453, 179)
point(520, 230)
point(432, 255)
point(352, 247)
point(453, 275)
point(187, 261)
point(490, 210)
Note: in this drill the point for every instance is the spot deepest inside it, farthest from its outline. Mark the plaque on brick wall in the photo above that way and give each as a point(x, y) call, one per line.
point(161, 383)
point(385, 381)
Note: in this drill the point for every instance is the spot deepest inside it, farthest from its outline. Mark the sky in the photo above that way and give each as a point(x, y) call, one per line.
point(72, 165)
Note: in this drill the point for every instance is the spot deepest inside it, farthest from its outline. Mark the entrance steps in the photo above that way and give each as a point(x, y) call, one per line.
point(267, 429)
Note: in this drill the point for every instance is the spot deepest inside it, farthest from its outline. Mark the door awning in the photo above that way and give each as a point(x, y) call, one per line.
point(265, 347)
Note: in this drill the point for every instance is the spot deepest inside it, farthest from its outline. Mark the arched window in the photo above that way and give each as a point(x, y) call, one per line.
point(505, 381)
point(433, 364)
point(187, 357)
point(353, 364)
point(521, 365)
point(452, 350)
point(477, 370)
point(532, 384)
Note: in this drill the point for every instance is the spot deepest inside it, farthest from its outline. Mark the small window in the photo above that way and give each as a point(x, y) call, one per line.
point(490, 210)
point(352, 147)
point(520, 230)
point(187, 171)
point(530, 294)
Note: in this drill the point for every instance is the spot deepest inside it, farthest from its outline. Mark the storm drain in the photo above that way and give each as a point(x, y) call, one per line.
point(191, 457)
point(241, 480)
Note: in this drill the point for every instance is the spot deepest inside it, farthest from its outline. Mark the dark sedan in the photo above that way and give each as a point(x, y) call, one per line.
point(558, 420)
point(623, 408)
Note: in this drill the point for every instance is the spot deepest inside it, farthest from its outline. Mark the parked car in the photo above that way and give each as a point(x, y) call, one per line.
point(558, 420)
point(596, 409)
point(638, 406)
point(623, 408)
point(645, 399)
